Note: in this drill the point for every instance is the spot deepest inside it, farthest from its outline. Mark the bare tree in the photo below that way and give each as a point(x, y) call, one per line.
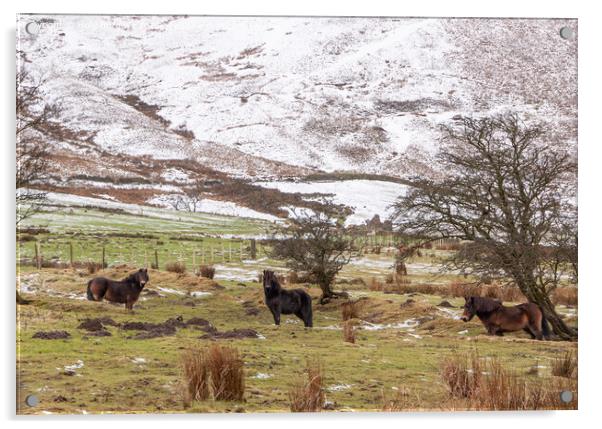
point(192, 198)
point(503, 192)
point(316, 243)
point(33, 117)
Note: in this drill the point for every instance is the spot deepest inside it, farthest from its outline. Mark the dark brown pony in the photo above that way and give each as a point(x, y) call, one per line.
point(125, 291)
point(499, 319)
point(283, 301)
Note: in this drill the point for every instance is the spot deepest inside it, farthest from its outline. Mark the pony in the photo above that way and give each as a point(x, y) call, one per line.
point(498, 319)
point(125, 291)
point(282, 301)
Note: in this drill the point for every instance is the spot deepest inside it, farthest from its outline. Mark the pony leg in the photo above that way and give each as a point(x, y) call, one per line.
point(529, 331)
point(276, 315)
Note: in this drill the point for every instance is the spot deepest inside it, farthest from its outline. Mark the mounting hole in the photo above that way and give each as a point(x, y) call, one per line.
point(32, 400)
point(567, 33)
point(566, 396)
point(32, 28)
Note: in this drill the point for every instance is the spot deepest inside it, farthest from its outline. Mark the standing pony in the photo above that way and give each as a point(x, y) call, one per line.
point(125, 291)
point(499, 319)
point(282, 301)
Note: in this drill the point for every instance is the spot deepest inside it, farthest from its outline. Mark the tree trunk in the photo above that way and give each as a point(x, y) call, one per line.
point(540, 298)
point(328, 293)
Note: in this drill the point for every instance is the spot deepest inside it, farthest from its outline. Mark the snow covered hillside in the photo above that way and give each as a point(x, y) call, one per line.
point(266, 99)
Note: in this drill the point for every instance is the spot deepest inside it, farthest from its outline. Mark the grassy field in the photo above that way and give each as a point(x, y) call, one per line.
point(401, 338)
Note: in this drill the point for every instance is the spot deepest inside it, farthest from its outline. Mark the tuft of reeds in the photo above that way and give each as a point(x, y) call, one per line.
point(349, 331)
point(308, 395)
point(490, 386)
point(218, 369)
point(351, 309)
point(196, 376)
point(227, 373)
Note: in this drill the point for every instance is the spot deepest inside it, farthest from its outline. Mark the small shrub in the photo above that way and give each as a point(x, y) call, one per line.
point(93, 267)
point(565, 366)
point(292, 277)
point(566, 296)
point(207, 271)
point(459, 289)
point(227, 373)
point(351, 309)
point(196, 376)
point(308, 395)
point(376, 250)
point(389, 279)
point(176, 267)
point(348, 332)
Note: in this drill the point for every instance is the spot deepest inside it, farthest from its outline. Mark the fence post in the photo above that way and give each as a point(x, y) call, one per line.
point(253, 249)
point(156, 259)
point(103, 263)
point(37, 252)
point(71, 253)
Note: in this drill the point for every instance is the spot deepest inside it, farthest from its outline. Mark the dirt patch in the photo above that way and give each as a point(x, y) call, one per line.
point(96, 327)
point(52, 335)
point(235, 334)
point(102, 333)
point(445, 304)
point(201, 324)
point(250, 308)
point(167, 328)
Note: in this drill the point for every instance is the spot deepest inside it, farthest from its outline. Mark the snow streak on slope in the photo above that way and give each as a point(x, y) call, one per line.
point(366, 197)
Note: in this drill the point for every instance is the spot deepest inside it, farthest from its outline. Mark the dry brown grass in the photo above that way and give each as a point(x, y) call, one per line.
point(93, 267)
point(175, 267)
point(375, 285)
point(566, 296)
point(349, 332)
point(207, 271)
point(490, 386)
point(196, 376)
point(227, 373)
point(565, 366)
point(308, 395)
point(351, 309)
point(495, 291)
point(462, 375)
point(400, 400)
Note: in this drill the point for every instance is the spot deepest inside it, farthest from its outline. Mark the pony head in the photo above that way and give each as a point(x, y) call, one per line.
point(270, 282)
point(477, 304)
point(140, 277)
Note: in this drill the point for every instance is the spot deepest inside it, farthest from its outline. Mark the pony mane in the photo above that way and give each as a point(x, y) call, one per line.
point(130, 278)
point(485, 305)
